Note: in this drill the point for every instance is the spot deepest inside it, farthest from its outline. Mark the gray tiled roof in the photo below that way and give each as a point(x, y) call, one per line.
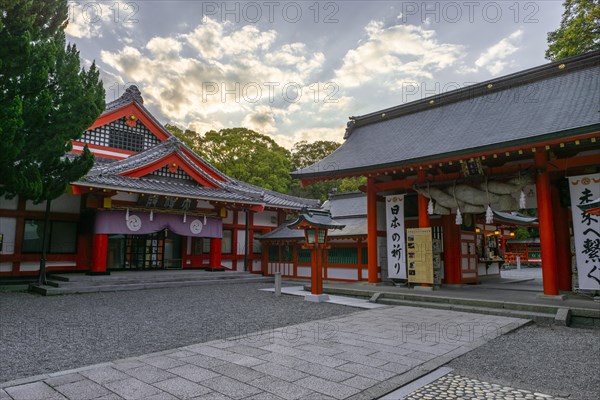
point(347, 205)
point(163, 187)
point(352, 227)
point(524, 107)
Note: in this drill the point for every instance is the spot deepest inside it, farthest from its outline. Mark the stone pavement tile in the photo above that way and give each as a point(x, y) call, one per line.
point(162, 396)
point(34, 391)
point(406, 360)
point(328, 350)
point(366, 371)
point(181, 354)
point(4, 395)
point(182, 388)
point(193, 372)
point(63, 379)
point(280, 371)
point(320, 370)
point(286, 350)
point(163, 362)
point(281, 388)
point(327, 361)
point(82, 390)
point(265, 396)
point(246, 361)
point(357, 358)
point(247, 350)
point(104, 374)
point(230, 387)
point(360, 382)
point(395, 367)
point(421, 355)
point(132, 389)
point(149, 374)
point(211, 396)
point(281, 359)
point(327, 387)
point(203, 361)
point(112, 396)
point(123, 365)
point(238, 372)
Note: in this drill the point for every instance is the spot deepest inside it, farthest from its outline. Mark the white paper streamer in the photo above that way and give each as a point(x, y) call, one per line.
point(184, 217)
point(151, 215)
point(458, 217)
point(127, 214)
point(430, 207)
point(489, 215)
point(522, 200)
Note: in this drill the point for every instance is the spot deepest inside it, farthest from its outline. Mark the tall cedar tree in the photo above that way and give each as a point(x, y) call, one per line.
point(579, 30)
point(46, 100)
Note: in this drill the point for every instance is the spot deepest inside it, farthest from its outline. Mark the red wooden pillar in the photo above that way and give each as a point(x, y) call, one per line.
point(372, 231)
point(100, 253)
point(563, 242)
point(452, 273)
point(546, 221)
point(422, 203)
point(215, 253)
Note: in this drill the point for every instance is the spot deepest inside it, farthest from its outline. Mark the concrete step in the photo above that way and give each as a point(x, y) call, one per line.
point(538, 317)
point(48, 290)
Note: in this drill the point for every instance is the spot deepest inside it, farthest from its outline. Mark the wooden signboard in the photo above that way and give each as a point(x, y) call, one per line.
point(419, 255)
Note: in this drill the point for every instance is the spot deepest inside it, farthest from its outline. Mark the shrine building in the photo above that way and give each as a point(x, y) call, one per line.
point(149, 202)
point(471, 160)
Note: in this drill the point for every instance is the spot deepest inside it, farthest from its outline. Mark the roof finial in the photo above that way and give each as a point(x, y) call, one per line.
point(132, 93)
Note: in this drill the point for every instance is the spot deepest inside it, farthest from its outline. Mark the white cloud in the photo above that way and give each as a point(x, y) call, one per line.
point(494, 59)
point(164, 46)
point(396, 52)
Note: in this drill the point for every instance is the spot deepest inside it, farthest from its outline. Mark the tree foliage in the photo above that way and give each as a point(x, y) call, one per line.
point(242, 154)
point(579, 30)
point(46, 100)
point(305, 154)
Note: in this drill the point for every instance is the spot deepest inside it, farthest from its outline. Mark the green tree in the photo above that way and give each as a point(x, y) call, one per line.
point(579, 30)
point(248, 156)
point(305, 154)
point(46, 100)
point(191, 138)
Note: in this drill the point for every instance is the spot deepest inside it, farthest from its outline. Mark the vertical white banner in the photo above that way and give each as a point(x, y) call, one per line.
point(586, 230)
point(395, 228)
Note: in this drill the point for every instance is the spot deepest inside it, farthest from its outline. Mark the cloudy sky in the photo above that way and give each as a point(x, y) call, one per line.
point(298, 70)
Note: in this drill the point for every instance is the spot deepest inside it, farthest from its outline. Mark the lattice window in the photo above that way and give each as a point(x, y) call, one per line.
point(178, 174)
point(119, 135)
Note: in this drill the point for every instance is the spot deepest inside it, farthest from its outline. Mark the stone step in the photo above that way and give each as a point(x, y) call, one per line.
point(540, 318)
point(47, 290)
point(131, 281)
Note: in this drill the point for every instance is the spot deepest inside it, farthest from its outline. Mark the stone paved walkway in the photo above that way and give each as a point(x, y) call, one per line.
point(362, 355)
point(454, 386)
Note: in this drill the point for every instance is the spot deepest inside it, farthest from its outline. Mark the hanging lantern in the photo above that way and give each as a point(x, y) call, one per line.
point(489, 215)
point(151, 215)
point(522, 200)
point(127, 214)
point(458, 217)
point(184, 217)
point(430, 207)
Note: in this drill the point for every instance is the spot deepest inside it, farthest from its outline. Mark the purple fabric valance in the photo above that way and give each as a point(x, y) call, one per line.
point(138, 223)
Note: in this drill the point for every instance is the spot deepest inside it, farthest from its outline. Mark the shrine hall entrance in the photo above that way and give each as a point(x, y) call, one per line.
point(160, 250)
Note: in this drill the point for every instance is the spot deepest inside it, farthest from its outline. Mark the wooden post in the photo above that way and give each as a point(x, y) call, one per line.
point(546, 224)
point(372, 231)
point(451, 250)
point(563, 243)
point(100, 253)
point(215, 253)
point(422, 203)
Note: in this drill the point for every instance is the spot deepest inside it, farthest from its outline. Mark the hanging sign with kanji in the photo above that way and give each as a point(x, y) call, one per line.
point(586, 230)
point(396, 254)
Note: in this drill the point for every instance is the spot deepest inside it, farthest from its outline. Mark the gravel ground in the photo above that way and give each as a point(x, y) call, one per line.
point(559, 361)
point(47, 334)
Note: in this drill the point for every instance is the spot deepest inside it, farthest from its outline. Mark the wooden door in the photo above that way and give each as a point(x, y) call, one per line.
point(468, 257)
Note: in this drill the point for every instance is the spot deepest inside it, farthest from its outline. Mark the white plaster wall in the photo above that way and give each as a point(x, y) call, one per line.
point(342, 273)
point(265, 218)
point(35, 265)
point(67, 203)
point(365, 273)
point(241, 242)
point(227, 264)
point(241, 218)
point(381, 216)
point(304, 271)
point(229, 218)
point(9, 204)
point(256, 265)
point(204, 204)
point(5, 267)
point(8, 227)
